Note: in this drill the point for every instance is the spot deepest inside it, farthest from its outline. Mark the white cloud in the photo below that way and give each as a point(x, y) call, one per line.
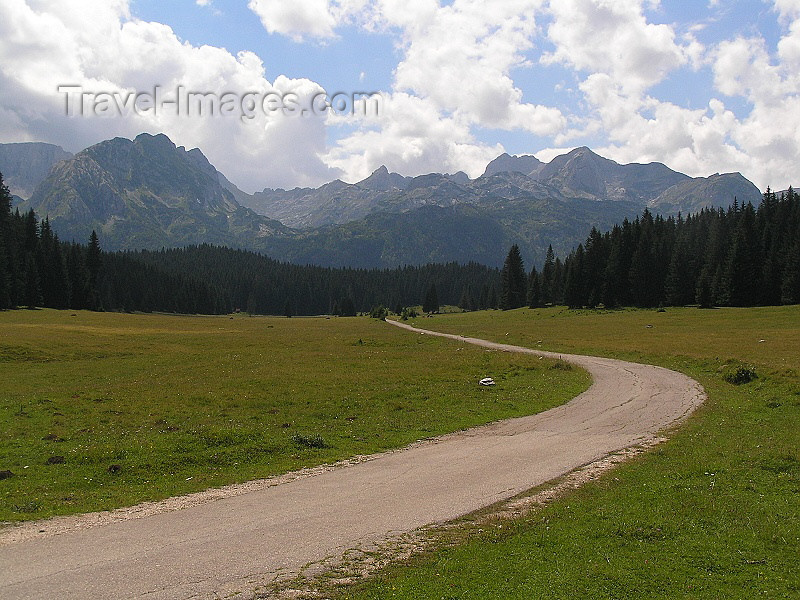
point(788, 9)
point(295, 19)
point(769, 135)
point(305, 18)
point(460, 56)
point(603, 36)
point(464, 67)
point(761, 141)
point(789, 52)
point(96, 45)
point(411, 137)
point(742, 68)
point(455, 73)
point(695, 142)
point(645, 129)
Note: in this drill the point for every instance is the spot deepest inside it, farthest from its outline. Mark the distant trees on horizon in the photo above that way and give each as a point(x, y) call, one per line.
point(741, 256)
point(39, 270)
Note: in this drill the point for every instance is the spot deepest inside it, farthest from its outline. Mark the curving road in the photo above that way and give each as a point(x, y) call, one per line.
point(233, 544)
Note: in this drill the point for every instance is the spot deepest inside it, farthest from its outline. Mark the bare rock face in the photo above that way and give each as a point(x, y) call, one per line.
point(144, 193)
point(25, 165)
point(505, 163)
point(586, 174)
point(698, 193)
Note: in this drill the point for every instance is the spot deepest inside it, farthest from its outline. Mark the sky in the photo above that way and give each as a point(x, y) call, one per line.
point(420, 86)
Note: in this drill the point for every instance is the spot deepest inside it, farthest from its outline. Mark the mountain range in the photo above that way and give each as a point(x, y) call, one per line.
point(150, 193)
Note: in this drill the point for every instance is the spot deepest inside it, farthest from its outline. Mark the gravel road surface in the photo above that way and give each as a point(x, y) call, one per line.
point(232, 543)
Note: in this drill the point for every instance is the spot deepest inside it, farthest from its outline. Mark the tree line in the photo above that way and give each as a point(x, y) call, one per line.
point(257, 284)
point(741, 256)
point(39, 270)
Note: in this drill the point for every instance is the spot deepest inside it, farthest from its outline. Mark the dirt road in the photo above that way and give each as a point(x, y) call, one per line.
point(231, 545)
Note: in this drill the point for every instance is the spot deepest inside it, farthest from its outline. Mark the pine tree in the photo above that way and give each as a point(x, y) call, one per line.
point(534, 289)
point(78, 276)
point(513, 281)
point(574, 289)
point(5, 202)
point(644, 268)
point(679, 290)
point(790, 288)
point(548, 276)
point(703, 292)
point(493, 301)
point(483, 300)
point(431, 302)
point(616, 271)
point(5, 279)
point(773, 249)
point(465, 303)
point(94, 262)
point(742, 275)
point(52, 269)
point(30, 241)
point(33, 291)
point(558, 282)
point(595, 259)
point(59, 278)
point(5, 231)
point(347, 307)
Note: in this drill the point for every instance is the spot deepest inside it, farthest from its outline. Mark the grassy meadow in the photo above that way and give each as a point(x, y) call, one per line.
point(102, 410)
point(712, 513)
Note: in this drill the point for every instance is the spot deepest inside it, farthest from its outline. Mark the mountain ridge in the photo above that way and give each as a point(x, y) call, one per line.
point(150, 193)
point(580, 173)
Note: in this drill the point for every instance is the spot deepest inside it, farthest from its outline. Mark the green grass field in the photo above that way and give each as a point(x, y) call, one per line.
point(712, 513)
point(102, 410)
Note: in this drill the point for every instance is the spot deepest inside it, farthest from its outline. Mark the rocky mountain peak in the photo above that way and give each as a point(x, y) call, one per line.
point(505, 163)
point(382, 180)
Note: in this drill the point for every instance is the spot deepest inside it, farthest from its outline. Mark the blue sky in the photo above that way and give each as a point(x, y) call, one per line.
point(335, 64)
point(702, 86)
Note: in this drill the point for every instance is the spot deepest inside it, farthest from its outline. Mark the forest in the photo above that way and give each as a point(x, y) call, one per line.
point(741, 256)
point(39, 270)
